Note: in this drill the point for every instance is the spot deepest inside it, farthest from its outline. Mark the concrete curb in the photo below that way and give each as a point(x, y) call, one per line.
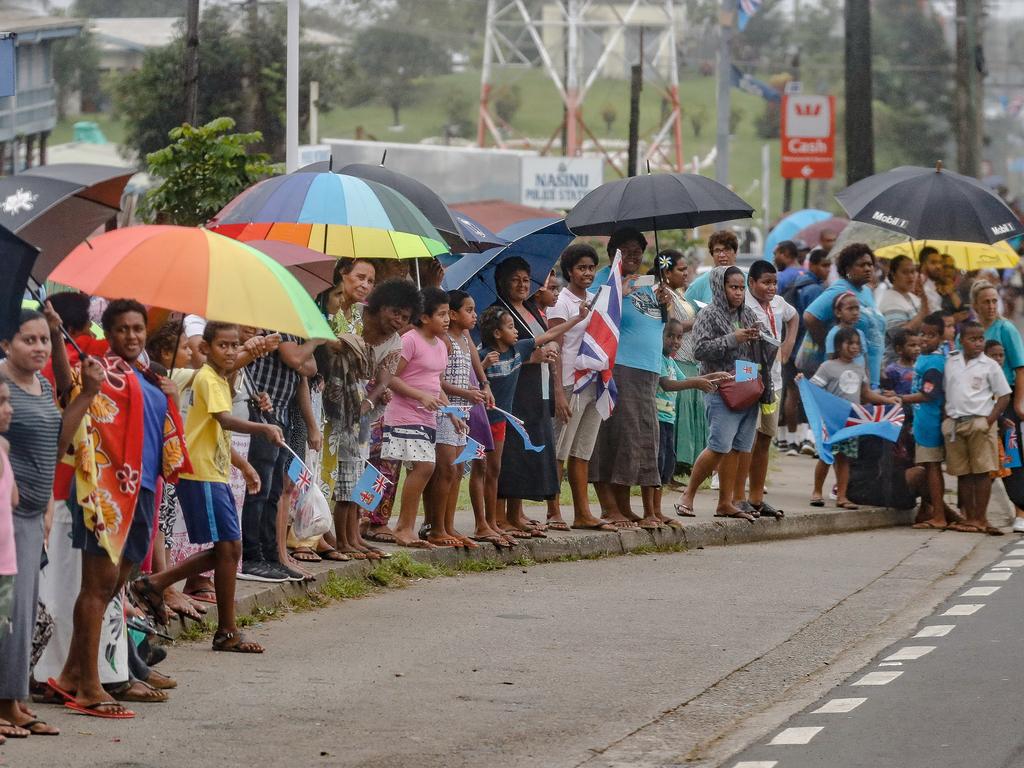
point(696, 534)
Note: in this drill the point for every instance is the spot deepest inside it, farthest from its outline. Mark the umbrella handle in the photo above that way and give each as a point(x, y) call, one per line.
point(64, 331)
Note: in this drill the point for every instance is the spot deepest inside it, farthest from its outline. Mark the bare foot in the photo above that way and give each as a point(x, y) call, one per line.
point(412, 541)
point(182, 605)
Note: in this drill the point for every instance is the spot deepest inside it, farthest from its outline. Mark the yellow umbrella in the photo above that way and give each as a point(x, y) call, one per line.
point(966, 256)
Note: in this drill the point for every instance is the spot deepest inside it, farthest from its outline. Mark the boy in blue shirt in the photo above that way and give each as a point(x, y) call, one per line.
point(928, 399)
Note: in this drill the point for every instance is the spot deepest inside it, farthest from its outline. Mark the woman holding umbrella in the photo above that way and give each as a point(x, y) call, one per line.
point(855, 265)
point(527, 474)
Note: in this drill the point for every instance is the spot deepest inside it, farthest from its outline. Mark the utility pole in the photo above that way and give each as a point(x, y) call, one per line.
point(291, 100)
point(726, 23)
point(787, 184)
point(250, 88)
point(860, 141)
point(636, 84)
point(192, 62)
point(970, 67)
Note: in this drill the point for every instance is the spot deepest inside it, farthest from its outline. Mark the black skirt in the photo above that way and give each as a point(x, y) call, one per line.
point(526, 474)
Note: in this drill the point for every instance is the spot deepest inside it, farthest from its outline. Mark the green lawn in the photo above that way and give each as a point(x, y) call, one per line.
point(540, 111)
point(539, 114)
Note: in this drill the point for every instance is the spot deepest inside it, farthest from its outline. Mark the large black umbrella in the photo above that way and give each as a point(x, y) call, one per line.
point(419, 194)
point(16, 260)
point(56, 207)
point(654, 202)
point(930, 204)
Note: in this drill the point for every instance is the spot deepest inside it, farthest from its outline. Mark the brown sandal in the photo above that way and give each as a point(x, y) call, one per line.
point(235, 642)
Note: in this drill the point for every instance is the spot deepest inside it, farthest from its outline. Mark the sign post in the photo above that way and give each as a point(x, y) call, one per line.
point(558, 182)
point(808, 136)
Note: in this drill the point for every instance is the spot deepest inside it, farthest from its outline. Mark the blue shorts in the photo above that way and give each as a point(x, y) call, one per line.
point(140, 535)
point(209, 512)
point(729, 430)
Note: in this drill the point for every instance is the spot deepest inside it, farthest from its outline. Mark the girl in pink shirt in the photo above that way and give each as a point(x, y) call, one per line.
point(410, 421)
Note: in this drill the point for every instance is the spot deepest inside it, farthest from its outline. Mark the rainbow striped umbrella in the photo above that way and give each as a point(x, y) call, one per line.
point(194, 271)
point(332, 213)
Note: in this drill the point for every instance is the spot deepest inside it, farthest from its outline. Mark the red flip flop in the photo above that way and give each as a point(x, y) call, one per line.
point(196, 596)
point(66, 695)
point(97, 710)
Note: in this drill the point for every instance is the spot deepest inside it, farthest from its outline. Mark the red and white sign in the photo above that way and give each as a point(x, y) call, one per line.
point(808, 136)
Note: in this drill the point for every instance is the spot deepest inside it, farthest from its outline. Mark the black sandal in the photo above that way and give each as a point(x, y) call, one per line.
point(235, 642)
point(767, 510)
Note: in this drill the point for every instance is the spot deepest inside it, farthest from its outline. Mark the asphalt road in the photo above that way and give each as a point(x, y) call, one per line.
point(634, 660)
point(947, 694)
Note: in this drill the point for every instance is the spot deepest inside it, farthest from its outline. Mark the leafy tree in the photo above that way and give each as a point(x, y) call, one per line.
point(608, 114)
point(698, 117)
point(201, 171)
point(152, 99)
point(507, 100)
point(76, 67)
point(457, 110)
point(389, 61)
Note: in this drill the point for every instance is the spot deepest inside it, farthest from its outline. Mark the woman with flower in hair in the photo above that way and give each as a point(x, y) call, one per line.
point(672, 270)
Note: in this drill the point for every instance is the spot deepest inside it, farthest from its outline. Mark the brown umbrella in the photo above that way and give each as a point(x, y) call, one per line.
point(313, 270)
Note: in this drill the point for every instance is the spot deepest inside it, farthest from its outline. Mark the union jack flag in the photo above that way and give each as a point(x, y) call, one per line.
point(874, 414)
point(480, 452)
point(380, 484)
point(305, 481)
point(600, 342)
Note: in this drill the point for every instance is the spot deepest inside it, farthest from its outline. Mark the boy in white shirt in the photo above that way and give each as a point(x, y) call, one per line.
point(779, 323)
point(976, 394)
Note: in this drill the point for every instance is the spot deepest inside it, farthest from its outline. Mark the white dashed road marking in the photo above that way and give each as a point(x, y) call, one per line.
point(878, 678)
point(980, 591)
point(939, 630)
point(757, 764)
point(1010, 563)
point(838, 706)
point(964, 610)
point(891, 664)
point(910, 653)
point(997, 576)
point(796, 735)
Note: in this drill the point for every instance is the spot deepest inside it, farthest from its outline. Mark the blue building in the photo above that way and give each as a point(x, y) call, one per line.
point(27, 118)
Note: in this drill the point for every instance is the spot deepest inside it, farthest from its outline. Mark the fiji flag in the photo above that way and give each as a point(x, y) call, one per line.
point(747, 9)
point(600, 342)
point(300, 475)
point(1011, 448)
point(369, 489)
point(834, 419)
point(471, 452)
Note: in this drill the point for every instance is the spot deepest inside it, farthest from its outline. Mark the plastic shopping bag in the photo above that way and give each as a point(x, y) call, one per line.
point(312, 514)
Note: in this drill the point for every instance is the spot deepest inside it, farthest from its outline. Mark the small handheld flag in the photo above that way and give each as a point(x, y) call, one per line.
point(517, 424)
point(745, 371)
point(369, 488)
point(1011, 448)
point(299, 474)
point(471, 452)
point(453, 410)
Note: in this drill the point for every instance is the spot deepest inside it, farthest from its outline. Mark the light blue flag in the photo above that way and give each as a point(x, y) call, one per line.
point(369, 488)
point(471, 452)
point(745, 371)
point(8, 65)
point(517, 425)
point(834, 419)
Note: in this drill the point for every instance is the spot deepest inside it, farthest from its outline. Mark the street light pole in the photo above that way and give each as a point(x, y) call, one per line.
point(726, 22)
point(291, 155)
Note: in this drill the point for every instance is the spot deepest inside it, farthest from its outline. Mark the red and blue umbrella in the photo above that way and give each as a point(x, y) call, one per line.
point(335, 214)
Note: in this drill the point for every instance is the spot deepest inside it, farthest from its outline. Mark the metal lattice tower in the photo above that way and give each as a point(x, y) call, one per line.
point(559, 36)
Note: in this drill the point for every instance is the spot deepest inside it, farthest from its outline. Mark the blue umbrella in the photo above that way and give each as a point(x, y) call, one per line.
point(789, 226)
point(539, 241)
point(479, 237)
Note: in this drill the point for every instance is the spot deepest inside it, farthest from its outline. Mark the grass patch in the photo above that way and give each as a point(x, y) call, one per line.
point(480, 566)
point(345, 587)
point(198, 630)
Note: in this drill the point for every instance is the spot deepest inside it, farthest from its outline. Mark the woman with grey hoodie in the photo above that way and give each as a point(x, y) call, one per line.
point(726, 331)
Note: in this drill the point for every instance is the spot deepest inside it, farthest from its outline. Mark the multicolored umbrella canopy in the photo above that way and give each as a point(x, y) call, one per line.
point(332, 213)
point(194, 271)
point(788, 227)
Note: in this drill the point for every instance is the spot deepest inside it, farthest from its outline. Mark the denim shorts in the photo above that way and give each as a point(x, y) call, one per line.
point(140, 534)
point(729, 430)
